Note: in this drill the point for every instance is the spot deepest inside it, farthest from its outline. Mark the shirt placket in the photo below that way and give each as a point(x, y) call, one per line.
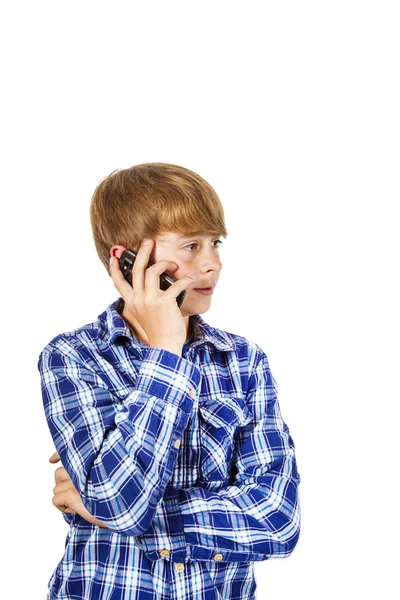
point(186, 473)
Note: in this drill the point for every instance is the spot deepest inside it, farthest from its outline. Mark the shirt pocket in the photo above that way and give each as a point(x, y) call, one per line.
point(219, 422)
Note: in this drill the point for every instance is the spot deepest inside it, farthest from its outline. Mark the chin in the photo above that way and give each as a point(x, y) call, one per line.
point(187, 311)
point(200, 308)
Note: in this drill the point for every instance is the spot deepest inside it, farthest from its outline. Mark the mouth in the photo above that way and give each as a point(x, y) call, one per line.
point(206, 291)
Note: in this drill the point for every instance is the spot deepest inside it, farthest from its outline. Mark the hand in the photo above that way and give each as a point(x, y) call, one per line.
point(156, 310)
point(66, 495)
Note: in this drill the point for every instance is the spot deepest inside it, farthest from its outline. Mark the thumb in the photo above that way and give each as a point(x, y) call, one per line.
point(54, 457)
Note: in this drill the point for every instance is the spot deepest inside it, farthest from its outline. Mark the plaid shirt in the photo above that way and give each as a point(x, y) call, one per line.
point(186, 459)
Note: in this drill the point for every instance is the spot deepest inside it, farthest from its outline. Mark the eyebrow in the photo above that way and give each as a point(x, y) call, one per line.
point(183, 237)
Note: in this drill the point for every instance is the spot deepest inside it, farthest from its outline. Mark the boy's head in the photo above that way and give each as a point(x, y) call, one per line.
point(164, 202)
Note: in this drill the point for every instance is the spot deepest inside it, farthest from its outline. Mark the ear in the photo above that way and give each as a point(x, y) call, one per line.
point(117, 250)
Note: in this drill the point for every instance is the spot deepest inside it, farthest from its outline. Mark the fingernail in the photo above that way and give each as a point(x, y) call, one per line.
point(111, 260)
point(145, 242)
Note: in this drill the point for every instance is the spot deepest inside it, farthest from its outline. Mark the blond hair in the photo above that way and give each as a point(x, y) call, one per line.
point(147, 200)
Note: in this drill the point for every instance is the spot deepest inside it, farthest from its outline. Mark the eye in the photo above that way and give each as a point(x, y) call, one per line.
point(190, 245)
point(195, 244)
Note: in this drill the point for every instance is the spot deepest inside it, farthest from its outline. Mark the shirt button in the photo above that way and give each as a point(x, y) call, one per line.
point(180, 567)
point(164, 553)
point(217, 556)
point(177, 443)
point(192, 392)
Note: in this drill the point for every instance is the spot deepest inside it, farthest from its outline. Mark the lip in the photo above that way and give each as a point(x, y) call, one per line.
point(205, 291)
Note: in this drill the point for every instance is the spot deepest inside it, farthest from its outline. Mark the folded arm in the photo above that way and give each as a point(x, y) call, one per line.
point(257, 517)
point(119, 454)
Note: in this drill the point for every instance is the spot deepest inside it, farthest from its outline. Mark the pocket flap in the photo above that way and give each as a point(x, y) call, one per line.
point(224, 411)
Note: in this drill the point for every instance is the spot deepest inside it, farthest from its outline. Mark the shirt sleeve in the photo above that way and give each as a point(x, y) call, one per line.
point(258, 516)
point(118, 453)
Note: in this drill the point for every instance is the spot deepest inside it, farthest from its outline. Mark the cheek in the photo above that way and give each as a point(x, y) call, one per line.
point(184, 266)
point(158, 254)
point(185, 258)
point(183, 270)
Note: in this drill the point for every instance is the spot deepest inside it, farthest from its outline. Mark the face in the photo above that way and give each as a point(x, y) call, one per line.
point(197, 256)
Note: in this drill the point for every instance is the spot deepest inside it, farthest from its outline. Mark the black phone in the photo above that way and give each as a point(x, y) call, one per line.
point(126, 261)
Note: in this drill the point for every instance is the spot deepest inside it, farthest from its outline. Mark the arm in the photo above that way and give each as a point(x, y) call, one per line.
point(119, 454)
point(255, 518)
point(66, 498)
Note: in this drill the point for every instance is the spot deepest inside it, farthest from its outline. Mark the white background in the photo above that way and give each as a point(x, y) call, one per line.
point(291, 111)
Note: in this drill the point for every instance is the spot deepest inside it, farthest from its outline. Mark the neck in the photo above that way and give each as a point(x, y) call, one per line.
point(189, 332)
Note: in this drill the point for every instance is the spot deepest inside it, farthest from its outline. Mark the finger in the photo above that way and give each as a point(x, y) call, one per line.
point(61, 474)
point(58, 502)
point(69, 497)
point(63, 486)
point(124, 288)
point(152, 286)
point(140, 266)
point(179, 285)
point(55, 457)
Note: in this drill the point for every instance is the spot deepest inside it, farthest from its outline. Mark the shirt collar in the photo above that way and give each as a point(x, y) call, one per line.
point(112, 326)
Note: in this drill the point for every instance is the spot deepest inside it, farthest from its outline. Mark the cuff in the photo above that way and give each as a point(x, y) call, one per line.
point(169, 377)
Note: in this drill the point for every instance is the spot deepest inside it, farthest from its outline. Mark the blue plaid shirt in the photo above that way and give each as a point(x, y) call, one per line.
point(186, 459)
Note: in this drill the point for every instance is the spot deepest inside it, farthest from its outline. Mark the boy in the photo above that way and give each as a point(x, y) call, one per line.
point(178, 470)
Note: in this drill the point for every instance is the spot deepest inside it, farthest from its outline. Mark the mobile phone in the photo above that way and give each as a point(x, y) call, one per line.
point(126, 261)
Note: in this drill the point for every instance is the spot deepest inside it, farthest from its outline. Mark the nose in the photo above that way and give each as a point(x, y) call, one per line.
point(210, 263)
